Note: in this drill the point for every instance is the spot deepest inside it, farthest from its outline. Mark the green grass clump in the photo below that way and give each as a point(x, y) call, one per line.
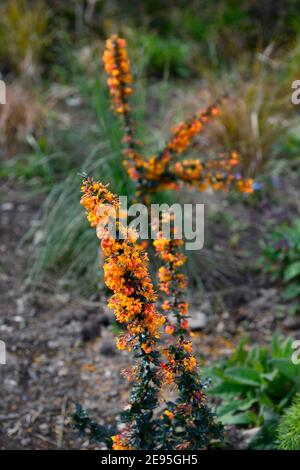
point(23, 35)
point(289, 427)
point(66, 245)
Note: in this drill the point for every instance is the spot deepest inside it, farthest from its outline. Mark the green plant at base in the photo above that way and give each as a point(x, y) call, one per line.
point(265, 438)
point(85, 425)
point(289, 427)
point(255, 385)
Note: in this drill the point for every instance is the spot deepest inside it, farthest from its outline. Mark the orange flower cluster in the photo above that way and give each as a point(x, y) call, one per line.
point(245, 186)
point(184, 133)
point(190, 363)
point(155, 166)
point(159, 172)
point(95, 195)
point(166, 277)
point(173, 282)
point(126, 264)
point(125, 273)
point(117, 67)
point(179, 360)
point(167, 251)
point(167, 372)
point(169, 414)
point(122, 441)
point(188, 170)
point(218, 174)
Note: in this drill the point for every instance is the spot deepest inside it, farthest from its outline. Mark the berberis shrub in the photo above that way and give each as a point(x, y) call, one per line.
point(162, 359)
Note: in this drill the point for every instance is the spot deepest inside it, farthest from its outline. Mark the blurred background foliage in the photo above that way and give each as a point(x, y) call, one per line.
point(184, 54)
point(181, 35)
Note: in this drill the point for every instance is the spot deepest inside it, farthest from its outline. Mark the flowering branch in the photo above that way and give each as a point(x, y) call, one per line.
point(117, 67)
point(126, 274)
point(186, 423)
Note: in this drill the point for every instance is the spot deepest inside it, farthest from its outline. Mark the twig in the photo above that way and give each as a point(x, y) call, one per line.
point(62, 413)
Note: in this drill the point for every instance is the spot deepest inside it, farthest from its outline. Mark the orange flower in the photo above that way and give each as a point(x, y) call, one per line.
point(183, 307)
point(121, 442)
point(169, 414)
point(190, 363)
point(167, 372)
point(184, 324)
point(170, 329)
point(165, 248)
point(146, 348)
point(166, 305)
point(116, 65)
point(187, 346)
point(246, 186)
point(186, 131)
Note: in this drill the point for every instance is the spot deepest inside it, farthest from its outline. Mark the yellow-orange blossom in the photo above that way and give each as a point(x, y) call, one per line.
point(125, 271)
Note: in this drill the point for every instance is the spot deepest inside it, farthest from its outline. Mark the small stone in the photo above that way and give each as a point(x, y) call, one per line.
point(63, 372)
point(38, 237)
point(220, 327)
point(10, 384)
point(198, 320)
point(63, 298)
point(7, 328)
point(25, 442)
point(18, 318)
point(74, 101)
point(248, 435)
point(43, 427)
point(53, 344)
point(21, 302)
point(7, 206)
point(107, 348)
point(292, 323)
point(91, 330)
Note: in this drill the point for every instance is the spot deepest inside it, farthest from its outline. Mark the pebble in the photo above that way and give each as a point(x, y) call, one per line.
point(22, 208)
point(220, 327)
point(107, 348)
point(292, 323)
point(7, 206)
point(198, 320)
